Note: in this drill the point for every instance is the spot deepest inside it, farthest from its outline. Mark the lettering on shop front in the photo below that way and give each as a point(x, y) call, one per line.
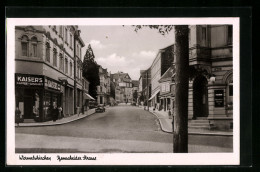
point(29, 80)
point(52, 84)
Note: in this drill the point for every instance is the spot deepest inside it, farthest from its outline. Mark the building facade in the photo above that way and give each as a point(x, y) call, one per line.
point(123, 87)
point(103, 90)
point(211, 82)
point(144, 90)
point(167, 90)
point(160, 65)
point(44, 70)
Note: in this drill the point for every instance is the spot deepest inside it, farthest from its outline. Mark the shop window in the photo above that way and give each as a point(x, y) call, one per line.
point(34, 46)
point(47, 52)
point(25, 45)
point(230, 35)
point(229, 91)
point(54, 57)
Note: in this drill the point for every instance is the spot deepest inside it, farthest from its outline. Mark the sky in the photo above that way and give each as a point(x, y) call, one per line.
point(120, 48)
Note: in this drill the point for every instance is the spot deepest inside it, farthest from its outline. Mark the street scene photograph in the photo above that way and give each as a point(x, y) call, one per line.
point(123, 89)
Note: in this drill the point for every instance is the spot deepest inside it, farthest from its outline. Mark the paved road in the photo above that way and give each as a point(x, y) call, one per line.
point(119, 129)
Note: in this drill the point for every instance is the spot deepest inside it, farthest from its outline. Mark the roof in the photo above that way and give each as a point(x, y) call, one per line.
point(118, 75)
point(168, 74)
point(167, 47)
point(135, 83)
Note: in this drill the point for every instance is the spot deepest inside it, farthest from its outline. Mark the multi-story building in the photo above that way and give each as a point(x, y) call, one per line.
point(167, 90)
point(211, 80)
point(161, 63)
point(144, 90)
point(45, 70)
point(78, 87)
point(123, 87)
point(103, 90)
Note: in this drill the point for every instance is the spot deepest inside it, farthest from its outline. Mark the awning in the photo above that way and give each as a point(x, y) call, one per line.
point(167, 95)
point(87, 96)
point(154, 94)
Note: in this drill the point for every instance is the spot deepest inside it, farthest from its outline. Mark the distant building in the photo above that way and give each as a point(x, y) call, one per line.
point(167, 90)
point(161, 63)
point(103, 90)
point(144, 90)
point(123, 87)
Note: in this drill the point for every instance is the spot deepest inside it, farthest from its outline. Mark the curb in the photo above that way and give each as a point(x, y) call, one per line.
point(162, 128)
point(192, 133)
point(65, 122)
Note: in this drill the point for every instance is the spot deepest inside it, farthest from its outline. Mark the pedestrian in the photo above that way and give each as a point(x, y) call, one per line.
point(55, 113)
point(17, 116)
point(169, 113)
point(60, 114)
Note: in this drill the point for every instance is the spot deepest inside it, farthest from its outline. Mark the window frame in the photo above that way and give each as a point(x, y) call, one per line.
point(47, 52)
point(25, 42)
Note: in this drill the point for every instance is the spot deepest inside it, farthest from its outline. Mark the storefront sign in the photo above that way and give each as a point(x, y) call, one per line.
point(52, 84)
point(219, 98)
point(28, 80)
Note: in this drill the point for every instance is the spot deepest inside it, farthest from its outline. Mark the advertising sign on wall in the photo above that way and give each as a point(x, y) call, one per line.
point(219, 98)
point(29, 80)
point(52, 84)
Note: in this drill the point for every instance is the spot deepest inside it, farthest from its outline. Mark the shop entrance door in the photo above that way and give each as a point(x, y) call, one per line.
point(28, 108)
point(200, 97)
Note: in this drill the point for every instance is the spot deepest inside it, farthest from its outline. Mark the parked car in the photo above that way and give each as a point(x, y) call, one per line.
point(100, 108)
point(92, 104)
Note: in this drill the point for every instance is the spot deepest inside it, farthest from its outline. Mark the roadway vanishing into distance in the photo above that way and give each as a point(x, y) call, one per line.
point(121, 129)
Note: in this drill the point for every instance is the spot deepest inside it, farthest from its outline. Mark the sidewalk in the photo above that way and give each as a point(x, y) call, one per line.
point(59, 121)
point(166, 125)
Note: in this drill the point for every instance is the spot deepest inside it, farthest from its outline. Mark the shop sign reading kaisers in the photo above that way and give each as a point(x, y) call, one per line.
point(29, 80)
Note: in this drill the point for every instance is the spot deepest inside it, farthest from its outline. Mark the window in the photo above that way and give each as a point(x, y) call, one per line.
point(61, 62)
point(70, 40)
point(25, 45)
point(34, 47)
point(204, 33)
point(66, 65)
point(80, 53)
point(54, 57)
point(47, 52)
point(70, 69)
point(61, 31)
point(229, 90)
point(230, 35)
point(66, 35)
point(77, 50)
point(78, 71)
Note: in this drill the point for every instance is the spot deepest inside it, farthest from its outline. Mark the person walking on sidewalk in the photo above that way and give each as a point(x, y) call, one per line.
point(17, 116)
point(55, 113)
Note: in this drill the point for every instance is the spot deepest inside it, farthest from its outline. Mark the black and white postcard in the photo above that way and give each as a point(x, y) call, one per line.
point(123, 91)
